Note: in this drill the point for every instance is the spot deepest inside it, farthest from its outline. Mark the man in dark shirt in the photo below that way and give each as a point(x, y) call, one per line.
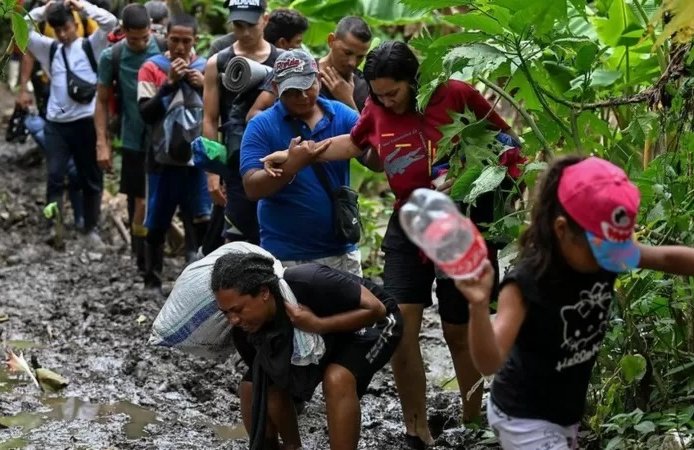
point(285, 29)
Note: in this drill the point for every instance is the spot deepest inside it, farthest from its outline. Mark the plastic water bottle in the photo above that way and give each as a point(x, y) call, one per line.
point(432, 221)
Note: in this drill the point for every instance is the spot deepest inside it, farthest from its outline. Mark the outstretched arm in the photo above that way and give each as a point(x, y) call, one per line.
point(490, 343)
point(675, 259)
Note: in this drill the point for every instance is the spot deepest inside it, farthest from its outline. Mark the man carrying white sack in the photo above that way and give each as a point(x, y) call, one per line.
point(351, 337)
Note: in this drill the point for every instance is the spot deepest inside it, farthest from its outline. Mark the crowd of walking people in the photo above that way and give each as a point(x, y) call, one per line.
point(132, 81)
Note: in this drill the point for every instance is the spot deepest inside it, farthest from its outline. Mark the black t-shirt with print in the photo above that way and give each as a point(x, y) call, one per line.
point(547, 372)
point(328, 291)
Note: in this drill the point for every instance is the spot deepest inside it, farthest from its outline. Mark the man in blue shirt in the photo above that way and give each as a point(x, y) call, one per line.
point(295, 211)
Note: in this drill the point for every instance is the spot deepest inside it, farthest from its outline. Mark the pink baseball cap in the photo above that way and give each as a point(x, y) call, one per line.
point(600, 198)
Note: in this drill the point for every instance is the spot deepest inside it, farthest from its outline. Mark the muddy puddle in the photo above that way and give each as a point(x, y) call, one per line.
point(79, 313)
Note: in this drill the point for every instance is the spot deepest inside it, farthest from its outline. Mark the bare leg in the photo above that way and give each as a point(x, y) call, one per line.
point(342, 403)
point(457, 339)
point(410, 379)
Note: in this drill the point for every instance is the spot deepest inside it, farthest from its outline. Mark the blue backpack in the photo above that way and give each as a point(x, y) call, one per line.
point(182, 123)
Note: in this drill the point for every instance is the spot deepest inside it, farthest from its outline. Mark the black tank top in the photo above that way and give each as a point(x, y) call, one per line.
point(233, 107)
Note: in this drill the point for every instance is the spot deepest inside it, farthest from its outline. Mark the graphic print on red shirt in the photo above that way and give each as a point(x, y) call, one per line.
point(407, 143)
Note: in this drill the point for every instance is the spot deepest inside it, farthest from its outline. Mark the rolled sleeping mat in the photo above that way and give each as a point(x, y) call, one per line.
point(243, 74)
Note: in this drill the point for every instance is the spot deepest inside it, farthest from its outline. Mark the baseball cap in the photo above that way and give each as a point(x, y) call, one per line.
point(248, 11)
point(294, 69)
point(600, 198)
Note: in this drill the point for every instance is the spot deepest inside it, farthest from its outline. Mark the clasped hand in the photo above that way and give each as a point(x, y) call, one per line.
point(299, 152)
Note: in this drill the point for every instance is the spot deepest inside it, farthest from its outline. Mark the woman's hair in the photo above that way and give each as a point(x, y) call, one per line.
point(395, 60)
point(247, 273)
point(57, 15)
point(538, 243)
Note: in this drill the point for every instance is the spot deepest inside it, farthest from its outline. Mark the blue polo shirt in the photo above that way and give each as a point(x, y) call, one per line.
point(296, 223)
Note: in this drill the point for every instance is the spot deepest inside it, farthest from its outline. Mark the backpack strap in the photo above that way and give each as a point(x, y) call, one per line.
point(199, 64)
point(116, 52)
point(51, 53)
point(162, 62)
point(161, 43)
point(89, 51)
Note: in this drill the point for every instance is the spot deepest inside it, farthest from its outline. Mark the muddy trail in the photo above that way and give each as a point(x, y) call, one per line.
point(84, 314)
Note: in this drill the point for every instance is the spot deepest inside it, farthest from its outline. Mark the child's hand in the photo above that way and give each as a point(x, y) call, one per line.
point(477, 290)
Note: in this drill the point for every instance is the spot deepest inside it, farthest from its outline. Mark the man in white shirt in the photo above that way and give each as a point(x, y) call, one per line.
point(69, 131)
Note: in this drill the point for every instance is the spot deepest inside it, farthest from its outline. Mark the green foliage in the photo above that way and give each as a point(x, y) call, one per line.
point(593, 78)
point(14, 13)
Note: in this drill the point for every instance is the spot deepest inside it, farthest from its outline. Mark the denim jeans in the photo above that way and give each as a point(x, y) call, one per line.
point(77, 141)
point(35, 124)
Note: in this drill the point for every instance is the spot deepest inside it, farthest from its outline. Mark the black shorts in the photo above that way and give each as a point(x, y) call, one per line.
point(408, 276)
point(363, 353)
point(132, 173)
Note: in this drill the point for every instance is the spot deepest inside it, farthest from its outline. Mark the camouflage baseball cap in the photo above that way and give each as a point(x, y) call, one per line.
point(295, 69)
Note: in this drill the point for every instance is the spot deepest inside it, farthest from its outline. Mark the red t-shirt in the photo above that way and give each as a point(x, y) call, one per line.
point(406, 143)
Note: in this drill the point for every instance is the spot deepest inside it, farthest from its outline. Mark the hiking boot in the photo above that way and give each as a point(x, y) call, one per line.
point(138, 248)
point(154, 262)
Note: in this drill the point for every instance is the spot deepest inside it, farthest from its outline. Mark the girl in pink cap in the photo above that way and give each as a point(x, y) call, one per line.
point(553, 307)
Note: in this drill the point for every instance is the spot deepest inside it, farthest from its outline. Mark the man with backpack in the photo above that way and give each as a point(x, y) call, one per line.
point(248, 20)
point(69, 129)
point(118, 68)
point(169, 95)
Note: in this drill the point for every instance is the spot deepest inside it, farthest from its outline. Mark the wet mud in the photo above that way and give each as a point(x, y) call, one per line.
point(85, 314)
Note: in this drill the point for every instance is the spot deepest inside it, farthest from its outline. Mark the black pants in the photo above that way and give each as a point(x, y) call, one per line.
point(76, 140)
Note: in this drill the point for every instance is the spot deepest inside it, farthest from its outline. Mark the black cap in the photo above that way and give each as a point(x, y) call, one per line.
point(248, 11)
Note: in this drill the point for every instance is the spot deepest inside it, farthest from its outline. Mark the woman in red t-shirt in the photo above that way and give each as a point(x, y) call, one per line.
point(392, 136)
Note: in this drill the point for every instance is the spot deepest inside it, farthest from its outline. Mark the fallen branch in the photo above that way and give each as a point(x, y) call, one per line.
point(120, 227)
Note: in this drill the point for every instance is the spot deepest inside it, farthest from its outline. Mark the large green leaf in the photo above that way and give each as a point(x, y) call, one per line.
point(621, 27)
point(541, 15)
point(633, 367)
point(317, 32)
point(20, 30)
point(477, 21)
point(431, 5)
point(490, 178)
point(461, 187)
point(477, 57)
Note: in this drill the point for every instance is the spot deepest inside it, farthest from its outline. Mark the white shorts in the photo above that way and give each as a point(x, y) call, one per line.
point(349, 262)
point(530, 434)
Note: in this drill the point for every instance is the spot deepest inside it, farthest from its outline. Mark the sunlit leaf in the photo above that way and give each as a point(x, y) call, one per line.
point(20, 30)
point(463, 184)
point(479, 58)
point(633, 367)
point(490, 178)
point(681, 23)
point(476, 21)
point(621, 27)
point(603, 78)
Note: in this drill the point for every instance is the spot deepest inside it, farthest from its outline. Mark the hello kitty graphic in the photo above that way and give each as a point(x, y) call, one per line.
point(585, 324)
